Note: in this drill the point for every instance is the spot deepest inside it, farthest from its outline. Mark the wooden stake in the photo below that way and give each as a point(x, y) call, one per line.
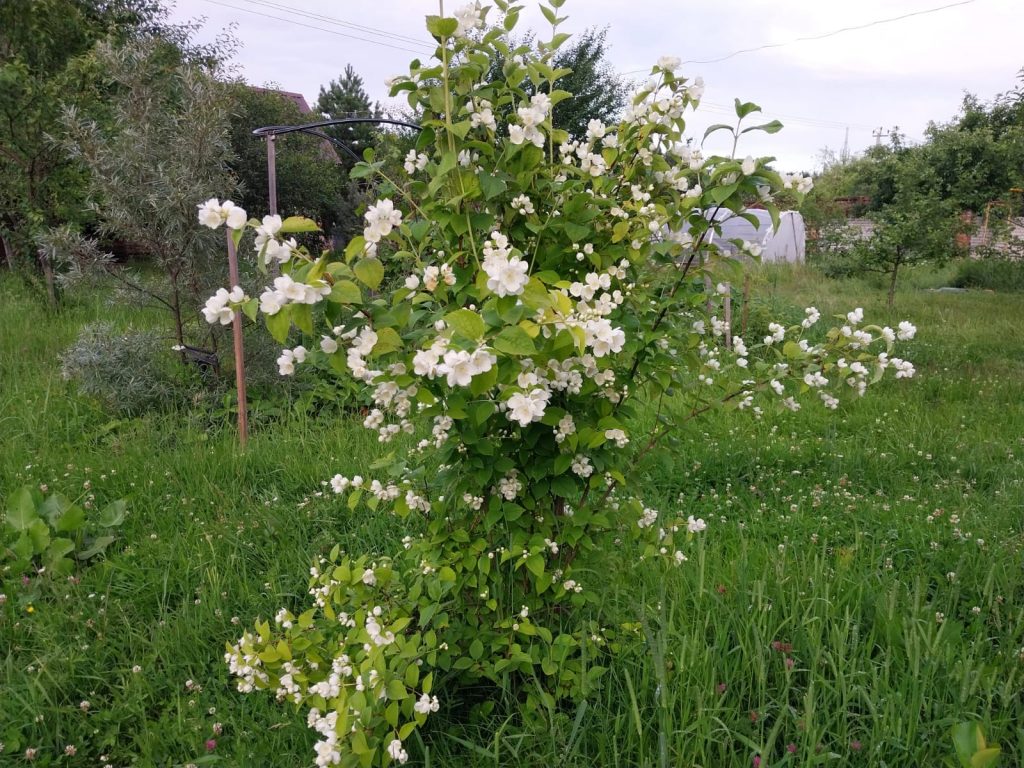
point(727, 307)
point(236, 328)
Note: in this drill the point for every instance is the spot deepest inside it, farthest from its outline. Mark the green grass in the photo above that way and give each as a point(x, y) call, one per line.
point(819, 551)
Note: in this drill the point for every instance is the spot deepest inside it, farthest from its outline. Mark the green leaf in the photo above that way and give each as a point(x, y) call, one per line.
point(369, 271)
point(72, 520)
point(721, 194)
point(744, 108)
point(465, 323)
point(279, 324)
point(302, 316)
point(441, 27)
point(535, 564)
point(53, 507)
point(514, 341)
point(396, 690)
point(388, 340)
point(346, 292)
point(985, 758)
point(716, 127)
point(773, 127)
point(491, 186)
point(98, 546)
point(112, 514)
point(21, 509)
point(298, 224)
point(476, 649)
point(39, 533)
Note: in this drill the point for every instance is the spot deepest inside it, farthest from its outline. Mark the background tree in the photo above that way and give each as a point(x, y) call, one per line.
point(163, 144)
point(311, 175)
point(347, 97)
point(598, 91)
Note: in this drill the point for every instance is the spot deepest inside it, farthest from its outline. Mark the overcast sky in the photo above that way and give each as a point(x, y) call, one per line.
point(902, 73)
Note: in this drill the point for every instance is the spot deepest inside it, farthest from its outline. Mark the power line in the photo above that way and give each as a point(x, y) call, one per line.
point(311, 26)
point(821, 36)
point(341, 22)
point(834, 32)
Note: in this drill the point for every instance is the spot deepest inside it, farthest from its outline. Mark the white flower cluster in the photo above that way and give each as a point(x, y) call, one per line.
point(506, 273)
point(531, 118)
point(799, 182)
point(213, 213)
point(381, 218)
point(288, 291)
point(415, 162)
point(269, 246)
point(481, 114)
point(218, 307)
point(289, 357)
point(469, 18)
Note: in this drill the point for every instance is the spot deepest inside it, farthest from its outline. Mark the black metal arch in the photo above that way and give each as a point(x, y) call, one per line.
point(312, 129)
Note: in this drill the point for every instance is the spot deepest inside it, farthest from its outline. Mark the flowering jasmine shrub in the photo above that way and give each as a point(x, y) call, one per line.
point(553, 295)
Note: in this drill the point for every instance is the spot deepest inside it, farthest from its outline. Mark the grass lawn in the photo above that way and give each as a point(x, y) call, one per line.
point(859, 590)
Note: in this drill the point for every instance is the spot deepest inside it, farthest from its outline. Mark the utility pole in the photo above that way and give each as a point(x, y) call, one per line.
point(844, 155)
point(878, 135)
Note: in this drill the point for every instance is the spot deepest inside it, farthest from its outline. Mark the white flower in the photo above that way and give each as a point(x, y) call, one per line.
point(525, 408)
point(469, 18)
point(328, 345)
point(426, 704)
point(748, 166)
point(855, 317)
point(523, 204)
point(412, 282)
point(813, 315)
point(415, 162)
point(381, 218)
point(458, 366)
point(369, 577)
point(234, 216)
point(209, 213)
point(396, 752)
point(618, 436)
point(695, 525)
point(506, 277)
point(218, 307)
point(669, 63)
point(906, 330)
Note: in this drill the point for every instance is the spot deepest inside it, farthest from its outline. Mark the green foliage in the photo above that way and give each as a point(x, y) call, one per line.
point(214, 534)
point(51, 532)
point(597, 91)
point(347, 97)
point(994, 273)
point(971, 748)
point(311, 175)
point(537, 320)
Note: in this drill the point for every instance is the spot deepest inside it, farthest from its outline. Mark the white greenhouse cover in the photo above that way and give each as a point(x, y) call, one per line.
point(782, 246)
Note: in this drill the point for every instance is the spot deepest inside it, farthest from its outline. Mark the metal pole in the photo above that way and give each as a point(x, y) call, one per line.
point(236, 328)
point(272, 173)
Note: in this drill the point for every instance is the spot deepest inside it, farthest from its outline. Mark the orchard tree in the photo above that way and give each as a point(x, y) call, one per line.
point(914, 229)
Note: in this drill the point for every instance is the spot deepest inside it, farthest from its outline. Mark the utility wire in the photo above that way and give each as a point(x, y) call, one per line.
point(821, 36)
point(311, 26)
point(341, 23)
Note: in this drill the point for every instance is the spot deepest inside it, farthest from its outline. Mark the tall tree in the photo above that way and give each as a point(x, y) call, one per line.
point(347, 97)
point(598, 91)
